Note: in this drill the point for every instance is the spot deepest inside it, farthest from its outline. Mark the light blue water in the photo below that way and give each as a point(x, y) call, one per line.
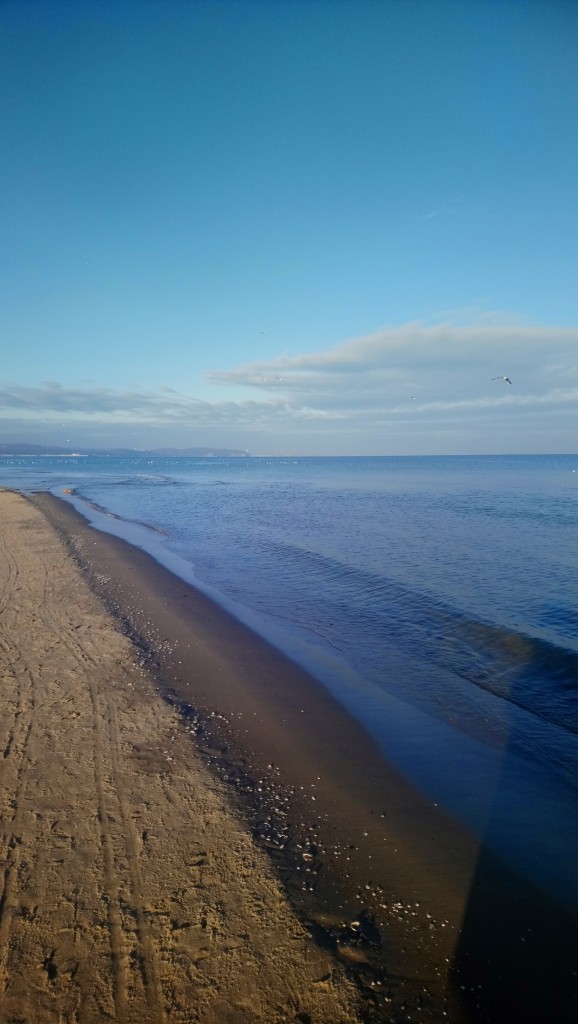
point(437, 598)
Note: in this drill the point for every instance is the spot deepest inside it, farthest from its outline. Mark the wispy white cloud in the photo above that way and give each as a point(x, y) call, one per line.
point(434, 362)
point(444, 210)
point(414, 380)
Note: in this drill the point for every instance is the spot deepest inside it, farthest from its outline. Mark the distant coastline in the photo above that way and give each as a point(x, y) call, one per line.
point(186, 453)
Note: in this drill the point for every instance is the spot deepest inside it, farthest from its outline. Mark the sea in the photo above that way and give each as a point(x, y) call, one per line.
point(435, 597)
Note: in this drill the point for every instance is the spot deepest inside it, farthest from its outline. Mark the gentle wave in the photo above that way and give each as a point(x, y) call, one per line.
point(112, 515)
point(535, 674)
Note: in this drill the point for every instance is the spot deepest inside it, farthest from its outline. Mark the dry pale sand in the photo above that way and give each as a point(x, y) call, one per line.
point(131, 890)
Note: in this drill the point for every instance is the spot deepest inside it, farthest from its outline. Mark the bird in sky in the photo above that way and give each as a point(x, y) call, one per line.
point(507, 379)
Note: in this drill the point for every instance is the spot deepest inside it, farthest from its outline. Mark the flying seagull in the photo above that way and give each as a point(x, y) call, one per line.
point(507, 380)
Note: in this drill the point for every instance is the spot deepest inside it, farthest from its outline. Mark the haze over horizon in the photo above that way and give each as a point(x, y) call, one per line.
point(290, 227)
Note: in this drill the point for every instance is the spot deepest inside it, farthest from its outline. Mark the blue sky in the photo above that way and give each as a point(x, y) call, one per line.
point(291, 227)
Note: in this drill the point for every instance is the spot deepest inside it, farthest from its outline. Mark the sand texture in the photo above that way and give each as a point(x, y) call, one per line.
point(131, 890)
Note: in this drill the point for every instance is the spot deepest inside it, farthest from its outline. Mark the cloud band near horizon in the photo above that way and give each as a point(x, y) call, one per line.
point(407, 378)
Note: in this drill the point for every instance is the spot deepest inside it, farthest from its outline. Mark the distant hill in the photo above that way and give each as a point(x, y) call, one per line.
point(133, 453)
point(191, 453)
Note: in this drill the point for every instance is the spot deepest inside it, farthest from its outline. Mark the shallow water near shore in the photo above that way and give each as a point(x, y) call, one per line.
point(435, 597)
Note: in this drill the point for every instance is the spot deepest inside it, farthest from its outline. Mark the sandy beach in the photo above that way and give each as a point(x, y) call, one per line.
point(131, 890)
point(194, 830)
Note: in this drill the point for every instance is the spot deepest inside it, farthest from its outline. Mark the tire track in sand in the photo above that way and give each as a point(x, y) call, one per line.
point(8, 574)
point(49, 619)
point(149, 957)
point(117, 944)
point(81, 661)
point(16, 757)
point(108, 784)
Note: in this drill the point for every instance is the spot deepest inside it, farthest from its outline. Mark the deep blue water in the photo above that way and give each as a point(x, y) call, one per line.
point(437, 598)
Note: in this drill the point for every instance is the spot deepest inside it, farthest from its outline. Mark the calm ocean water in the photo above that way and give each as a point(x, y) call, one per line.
point(437, 598)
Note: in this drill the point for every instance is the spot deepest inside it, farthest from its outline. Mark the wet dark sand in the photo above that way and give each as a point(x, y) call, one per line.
point(431, 925)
